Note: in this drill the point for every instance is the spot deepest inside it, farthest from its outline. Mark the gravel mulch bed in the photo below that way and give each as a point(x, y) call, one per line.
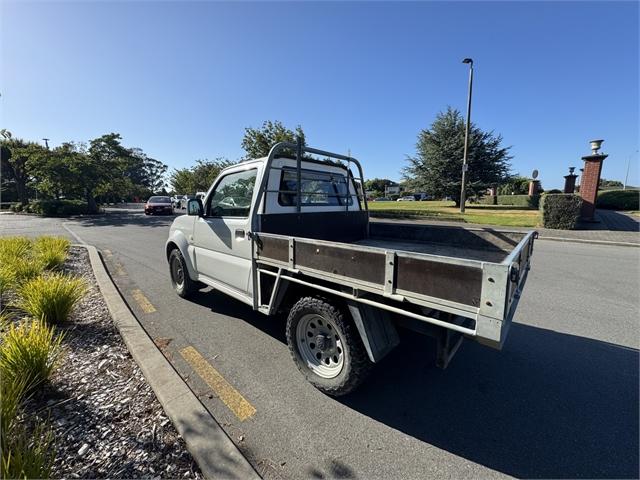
point(107, 420)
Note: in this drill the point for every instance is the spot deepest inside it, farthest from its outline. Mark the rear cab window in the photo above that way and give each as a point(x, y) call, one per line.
point(318, 188)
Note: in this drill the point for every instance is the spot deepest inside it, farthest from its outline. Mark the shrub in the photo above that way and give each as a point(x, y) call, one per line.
point(560, 211)
point(12, 391)
point(519, 200)
point(14, 247)
point(51, 297)
point(58, 208)
point(20, 270)
point(489, 200)
point(51, 251)
point(6, 278)
point(28, 454)
point(23, 453)
point(16, 207)
point(29, 352)
point(619, 199)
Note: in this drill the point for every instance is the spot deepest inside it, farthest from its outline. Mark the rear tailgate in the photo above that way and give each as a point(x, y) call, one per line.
point(501, 292)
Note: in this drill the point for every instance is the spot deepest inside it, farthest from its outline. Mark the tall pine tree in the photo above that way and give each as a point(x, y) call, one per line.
point(436, 167)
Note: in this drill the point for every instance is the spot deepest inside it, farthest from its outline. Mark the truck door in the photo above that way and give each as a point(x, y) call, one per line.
point(222, 249)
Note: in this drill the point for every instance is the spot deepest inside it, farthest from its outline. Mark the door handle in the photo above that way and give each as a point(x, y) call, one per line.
point(240, 234)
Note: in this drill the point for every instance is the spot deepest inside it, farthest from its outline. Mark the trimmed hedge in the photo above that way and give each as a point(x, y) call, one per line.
point(57, 208)
point(619, 199)
point(488, 200)
point(519, 200)
point(560, 210)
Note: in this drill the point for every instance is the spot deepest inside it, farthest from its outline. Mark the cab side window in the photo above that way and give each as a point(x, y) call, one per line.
point(232, 196)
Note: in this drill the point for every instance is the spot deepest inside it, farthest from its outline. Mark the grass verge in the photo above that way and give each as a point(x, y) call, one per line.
point(501, 215)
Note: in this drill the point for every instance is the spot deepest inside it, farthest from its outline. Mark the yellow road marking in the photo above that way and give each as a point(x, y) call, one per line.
point(143, 301)
point(223, 389)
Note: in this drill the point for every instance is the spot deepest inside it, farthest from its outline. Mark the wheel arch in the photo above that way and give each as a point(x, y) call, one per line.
point(178, 241)
point(375, 327)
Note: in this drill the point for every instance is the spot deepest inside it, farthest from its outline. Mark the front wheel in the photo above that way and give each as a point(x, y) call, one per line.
point(182, 283)
point(326, 347)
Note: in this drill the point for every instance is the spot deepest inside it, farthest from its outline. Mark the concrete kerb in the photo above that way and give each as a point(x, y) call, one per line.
point(211, 448)
point(591, 242)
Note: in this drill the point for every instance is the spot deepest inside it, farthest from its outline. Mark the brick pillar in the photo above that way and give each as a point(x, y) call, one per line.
point(534, 186)
point(570, 183)
point(589, 184)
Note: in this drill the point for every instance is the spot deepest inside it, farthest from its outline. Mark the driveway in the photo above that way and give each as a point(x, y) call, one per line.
point(560, 400)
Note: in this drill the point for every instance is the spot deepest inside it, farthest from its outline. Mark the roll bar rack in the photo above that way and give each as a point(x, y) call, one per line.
point(300, 150)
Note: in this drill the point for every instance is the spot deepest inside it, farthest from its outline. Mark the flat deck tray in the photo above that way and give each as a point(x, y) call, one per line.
point(496, 256)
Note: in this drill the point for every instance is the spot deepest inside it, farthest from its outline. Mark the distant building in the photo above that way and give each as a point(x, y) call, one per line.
point(393, 189)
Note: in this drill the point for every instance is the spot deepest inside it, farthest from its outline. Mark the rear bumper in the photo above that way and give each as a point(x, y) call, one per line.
point(164, 210)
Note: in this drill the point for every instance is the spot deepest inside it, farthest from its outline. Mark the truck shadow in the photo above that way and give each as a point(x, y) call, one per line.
point(550, 405)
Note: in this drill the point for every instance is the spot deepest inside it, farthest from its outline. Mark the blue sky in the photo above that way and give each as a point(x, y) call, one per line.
point(182, 80)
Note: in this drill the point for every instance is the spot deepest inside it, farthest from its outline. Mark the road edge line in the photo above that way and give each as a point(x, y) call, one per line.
point(211, 448)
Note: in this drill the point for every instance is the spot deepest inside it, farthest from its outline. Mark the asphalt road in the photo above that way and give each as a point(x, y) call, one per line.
point(560, 400)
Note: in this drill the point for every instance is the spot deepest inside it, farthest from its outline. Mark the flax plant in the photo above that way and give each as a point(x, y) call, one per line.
point(51, 297)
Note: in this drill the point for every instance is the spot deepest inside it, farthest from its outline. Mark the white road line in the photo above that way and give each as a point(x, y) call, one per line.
point(74, 234)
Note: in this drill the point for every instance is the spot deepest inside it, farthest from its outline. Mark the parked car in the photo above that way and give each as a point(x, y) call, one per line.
point(175, 201)
point(293, 235)
point(407, 198)
point(160, 205)
point(201, 195)
point(382, 199)
point(422, 197)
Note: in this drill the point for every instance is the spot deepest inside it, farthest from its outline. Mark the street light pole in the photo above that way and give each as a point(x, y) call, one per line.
point(466, 136)
point(626, 177)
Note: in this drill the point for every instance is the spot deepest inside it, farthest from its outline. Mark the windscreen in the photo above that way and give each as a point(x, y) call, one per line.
point(159, 200)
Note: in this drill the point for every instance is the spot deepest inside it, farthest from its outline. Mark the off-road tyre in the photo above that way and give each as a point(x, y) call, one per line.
point(186, 287)
point(355, 363)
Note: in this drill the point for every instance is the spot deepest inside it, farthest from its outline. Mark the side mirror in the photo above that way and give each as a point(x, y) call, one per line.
point(194, 207)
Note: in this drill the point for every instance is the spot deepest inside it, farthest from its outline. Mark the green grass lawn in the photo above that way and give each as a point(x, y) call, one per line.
point(504, 215)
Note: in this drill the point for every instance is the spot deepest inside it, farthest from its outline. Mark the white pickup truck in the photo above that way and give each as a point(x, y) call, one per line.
point(293, 235)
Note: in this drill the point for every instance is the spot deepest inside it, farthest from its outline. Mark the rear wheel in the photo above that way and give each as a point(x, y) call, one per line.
point(182, 283)
point(326, 347)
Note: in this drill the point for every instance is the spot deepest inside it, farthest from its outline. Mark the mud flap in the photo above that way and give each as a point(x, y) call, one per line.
point(376, 329)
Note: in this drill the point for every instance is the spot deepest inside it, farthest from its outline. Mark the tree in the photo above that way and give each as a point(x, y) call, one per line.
point(14, 155)
point(604, 183)
point(436, 167)
point(515, 185)
point(377, 185)
point(197, 178)
point(52, 172)
point(257, 142)
point(124, 173)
